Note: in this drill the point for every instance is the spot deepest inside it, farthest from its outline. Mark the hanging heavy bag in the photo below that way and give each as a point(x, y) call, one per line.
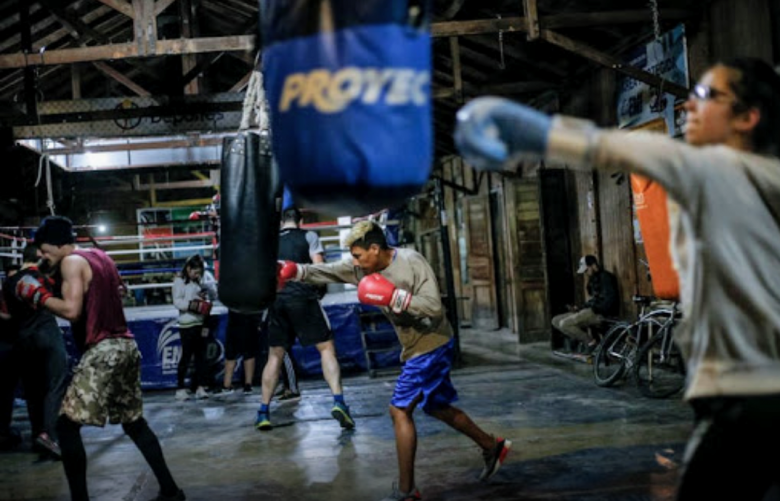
point(251, 198)
point(348, 86)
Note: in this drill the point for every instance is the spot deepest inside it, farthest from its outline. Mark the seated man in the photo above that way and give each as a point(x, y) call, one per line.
point(602, 301)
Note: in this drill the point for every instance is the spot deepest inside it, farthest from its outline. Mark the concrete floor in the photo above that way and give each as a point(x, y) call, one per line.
point(572, 441)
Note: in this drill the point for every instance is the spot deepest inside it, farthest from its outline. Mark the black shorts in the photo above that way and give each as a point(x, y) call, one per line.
point(301, 317)
point(241, 336)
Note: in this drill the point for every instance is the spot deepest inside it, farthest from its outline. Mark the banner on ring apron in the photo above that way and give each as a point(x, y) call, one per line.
point(652, 211)
point(348, 84)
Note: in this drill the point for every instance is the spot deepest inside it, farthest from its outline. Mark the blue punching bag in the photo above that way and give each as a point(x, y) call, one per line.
point(348, 84)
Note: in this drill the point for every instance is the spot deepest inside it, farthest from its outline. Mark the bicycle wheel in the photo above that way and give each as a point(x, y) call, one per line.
point(660, 369)
point(609, 361)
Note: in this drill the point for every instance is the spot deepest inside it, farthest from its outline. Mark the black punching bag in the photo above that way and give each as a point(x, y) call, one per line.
point(251, 201)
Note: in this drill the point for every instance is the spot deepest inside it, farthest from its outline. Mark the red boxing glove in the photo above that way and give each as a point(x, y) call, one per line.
point(200, 307)
point(285, 271)
point(33, 291)
point(377, 290)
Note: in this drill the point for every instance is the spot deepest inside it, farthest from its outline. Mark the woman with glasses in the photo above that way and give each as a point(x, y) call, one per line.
point(724, 186)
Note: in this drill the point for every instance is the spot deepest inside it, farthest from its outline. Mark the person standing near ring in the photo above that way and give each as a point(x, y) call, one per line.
point(194, 292)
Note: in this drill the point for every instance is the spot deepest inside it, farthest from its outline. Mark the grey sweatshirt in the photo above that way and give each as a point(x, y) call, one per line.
point(184, 292)
point(725, 244)
point(423, 327)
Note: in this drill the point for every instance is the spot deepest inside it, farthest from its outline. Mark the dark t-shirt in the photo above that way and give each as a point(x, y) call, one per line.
point(602, 289)
point(25, 318)
point(293, 246)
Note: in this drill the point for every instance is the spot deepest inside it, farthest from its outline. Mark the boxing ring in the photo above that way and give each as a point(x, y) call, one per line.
point(154, 320)
point(156, 331)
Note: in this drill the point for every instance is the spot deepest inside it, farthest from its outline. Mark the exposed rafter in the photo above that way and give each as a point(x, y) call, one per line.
point(122, 6)
point(614, 63)
point(556, 21)
point(122, 79)
point(241, 84)
point(161, 5)
point(129, 50)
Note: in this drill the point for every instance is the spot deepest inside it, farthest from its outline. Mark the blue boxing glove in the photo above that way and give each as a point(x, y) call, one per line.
point(491, 131)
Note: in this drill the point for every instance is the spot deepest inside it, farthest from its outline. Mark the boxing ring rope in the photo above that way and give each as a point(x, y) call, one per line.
point(157, 246)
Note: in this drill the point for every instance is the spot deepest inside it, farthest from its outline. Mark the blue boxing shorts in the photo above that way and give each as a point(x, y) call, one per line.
point(429, 375)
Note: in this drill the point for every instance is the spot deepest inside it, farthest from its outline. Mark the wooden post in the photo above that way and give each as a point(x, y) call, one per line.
point(145, 27)
point(30, 84)
point(75, 81)
point(189, 29)
point(532, 19)
point(457, 75)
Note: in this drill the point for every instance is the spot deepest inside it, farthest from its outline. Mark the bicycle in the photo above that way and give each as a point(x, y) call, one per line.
point(622, 343)
point(659, 370)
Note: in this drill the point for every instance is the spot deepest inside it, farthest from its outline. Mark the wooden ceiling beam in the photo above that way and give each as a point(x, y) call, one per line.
point(174, 47)
point(122, 6)
point(62, 33)
point(198, 69)
point(122, 79)
point(241, 84)
point(171, 109)
point(161, 5)
point(501, 89)
point(83, 33)
point(242, 8)
point(555, 21)
point(15, 39)
point(77, 28)
point(538, 66)
point(613, 63)
point(246, 57)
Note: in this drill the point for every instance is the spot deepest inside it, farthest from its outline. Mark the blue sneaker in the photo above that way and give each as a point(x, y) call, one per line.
point(340, 413)
point(263, 422)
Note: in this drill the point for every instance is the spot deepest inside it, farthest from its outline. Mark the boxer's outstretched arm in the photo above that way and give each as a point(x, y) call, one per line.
point(492, 133)
point(679, 167)
point(341, 272)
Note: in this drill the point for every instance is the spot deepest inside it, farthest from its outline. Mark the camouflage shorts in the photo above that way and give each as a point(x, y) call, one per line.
point(106, 384)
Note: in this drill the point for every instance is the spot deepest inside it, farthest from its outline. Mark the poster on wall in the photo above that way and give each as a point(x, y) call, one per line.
point(639, 103)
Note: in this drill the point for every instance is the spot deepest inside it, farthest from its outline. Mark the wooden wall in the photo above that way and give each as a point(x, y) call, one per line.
point(741, 28)
point(502, 278)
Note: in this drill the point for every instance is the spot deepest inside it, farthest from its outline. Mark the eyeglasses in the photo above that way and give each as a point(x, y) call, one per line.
point(703, 92)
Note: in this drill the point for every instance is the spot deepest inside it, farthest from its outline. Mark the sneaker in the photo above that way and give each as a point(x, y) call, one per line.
point(494, 458)
point(589, 348)
point(397, 495)
point(201, 393)
point(289, 396)
point(45, 441)
point(263, 421)
point(179, 496)
point(248, 389)
point(183, 394)
point(340, 413)
point(224, 392)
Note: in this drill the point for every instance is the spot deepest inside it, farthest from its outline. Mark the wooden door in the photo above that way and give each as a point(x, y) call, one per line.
point(484, 309)
point(527, 272)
